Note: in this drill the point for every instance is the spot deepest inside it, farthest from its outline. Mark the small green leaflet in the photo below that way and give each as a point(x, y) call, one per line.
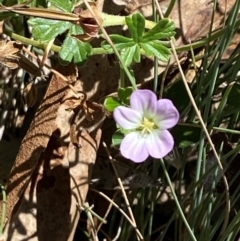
point(117, 138)
point(110, 103)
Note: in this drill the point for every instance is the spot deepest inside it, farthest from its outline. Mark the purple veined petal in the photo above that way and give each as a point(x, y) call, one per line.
point(167, 115)
point(127, 118)
point(133, 147)
point(145, 101)
point(159, 143)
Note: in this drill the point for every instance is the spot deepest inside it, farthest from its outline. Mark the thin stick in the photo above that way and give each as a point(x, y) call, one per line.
point(130, 77)
point(121, 211)
point(120, 184)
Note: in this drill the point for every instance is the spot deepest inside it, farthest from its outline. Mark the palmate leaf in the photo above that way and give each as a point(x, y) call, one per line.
point(74, 49)
point(47, 29)
point(130, 47)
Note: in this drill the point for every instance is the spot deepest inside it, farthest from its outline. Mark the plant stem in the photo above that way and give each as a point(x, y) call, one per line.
point(113, 20)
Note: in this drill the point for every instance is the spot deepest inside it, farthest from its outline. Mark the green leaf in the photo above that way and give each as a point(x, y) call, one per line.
point(131, 54)
point(47, 29)
point(74, 49)
point(163, 29)
point(157, 49)
point(124, 94)
point(136, 26)
point(110, 103)
point(65, 6)
point(117, 138)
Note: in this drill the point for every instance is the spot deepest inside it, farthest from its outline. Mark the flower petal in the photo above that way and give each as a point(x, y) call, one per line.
point(167, 115)
point(144, 101)
point(127, 118)
point(159, 143)
point(133, 147)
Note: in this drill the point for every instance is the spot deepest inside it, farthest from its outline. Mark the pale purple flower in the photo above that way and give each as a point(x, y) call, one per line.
point(146, 122)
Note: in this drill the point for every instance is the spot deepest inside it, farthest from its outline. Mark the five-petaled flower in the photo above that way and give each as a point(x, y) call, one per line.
point(146, 122)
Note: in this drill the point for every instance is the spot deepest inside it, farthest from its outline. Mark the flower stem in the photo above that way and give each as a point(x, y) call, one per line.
point(176, 200)
point(113, 20)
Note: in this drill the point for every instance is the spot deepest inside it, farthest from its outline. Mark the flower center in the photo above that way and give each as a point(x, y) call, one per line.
point(147, 126)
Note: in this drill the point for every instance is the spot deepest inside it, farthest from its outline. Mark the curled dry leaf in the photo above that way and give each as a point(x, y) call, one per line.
point(76, 100)
point(88, 22)
point(9, 53)
point(30, 94)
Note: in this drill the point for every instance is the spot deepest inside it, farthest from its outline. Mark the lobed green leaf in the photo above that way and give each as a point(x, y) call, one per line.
point(47, 29)
point(74, 49)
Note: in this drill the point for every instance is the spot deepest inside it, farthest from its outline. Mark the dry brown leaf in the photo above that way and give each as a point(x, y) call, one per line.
point(193, 18)
point(61, 170)
point(36, 140)
point(49, 208)
point(8, 53)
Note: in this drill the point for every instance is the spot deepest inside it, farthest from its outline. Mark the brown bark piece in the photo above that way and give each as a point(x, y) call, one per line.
point(35, 141)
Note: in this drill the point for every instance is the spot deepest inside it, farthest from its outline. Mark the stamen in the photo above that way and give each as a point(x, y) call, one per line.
point(147, 126)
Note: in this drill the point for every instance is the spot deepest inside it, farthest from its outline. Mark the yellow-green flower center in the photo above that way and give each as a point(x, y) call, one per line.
point(147, 126)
